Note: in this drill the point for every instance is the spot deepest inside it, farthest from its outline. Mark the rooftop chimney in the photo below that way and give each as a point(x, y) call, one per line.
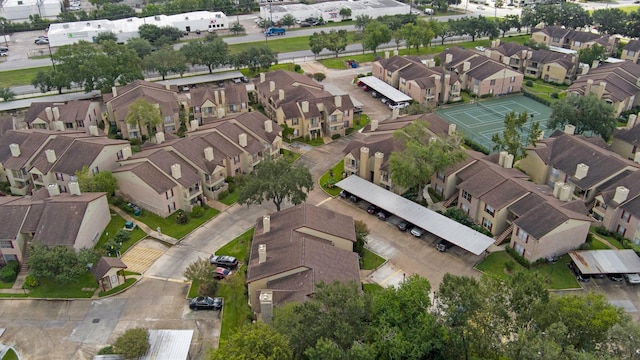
point(159, 137)
point(194, 125)
point(557, 187)
point(126, 152)
point(452, 129)
point(49, 113)
point(242, 139)
point(621, 194)
point(565, 193)
point(631, 122)
point(114, 91)
point(272, 86)
point(395, 52)
point(93, 130)
point(56, 113)
point(281, 94)
point(15, 150)
point(262, 253)
point(51, 155)
point(338, 100)
point(569, 129)
point(305, 106)
point(508, 161)
point(266, 306)
point(636, 158)
point(262, 77)
point(266, 224)
point(501, 157)
point(581, 171)
point(53, 190)
point(386, 54)
point(268, 126)
point(74, 188)
point(166, 85)
point(208, 153)
point(57, 125)
point(448, 58)
point(466, 66)
point(176, 172)
point(374, 125)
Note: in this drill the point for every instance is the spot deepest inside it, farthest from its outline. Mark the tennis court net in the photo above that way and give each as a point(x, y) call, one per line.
point(490, 110)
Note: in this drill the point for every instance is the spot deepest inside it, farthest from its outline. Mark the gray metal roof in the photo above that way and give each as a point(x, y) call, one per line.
point(168, 345)
point(385, 89)
point(606, 261)
point(418, 215)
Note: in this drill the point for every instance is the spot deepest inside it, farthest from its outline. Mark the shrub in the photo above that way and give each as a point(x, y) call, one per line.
point(522, 261)
point(529, 83)
point(297, 68)
point(8, 274)
point(208, 289)
point(475, 146)
point(602, 230)
point(509, 265)
point(223, 194)
point(554, 95)
point(14, 264)
point(30, 282)
point(107, 350)
point(117, 201)
point(335, 136)
point(197, 211)
point(133, 343)
point(319, 76)
point(181, 218)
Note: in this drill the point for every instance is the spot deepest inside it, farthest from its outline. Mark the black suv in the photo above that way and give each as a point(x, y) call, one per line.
point(443, 246)
point(205, 303)
point(225, 261)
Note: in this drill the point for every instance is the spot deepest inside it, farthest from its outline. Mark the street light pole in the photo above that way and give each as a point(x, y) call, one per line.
point(4, 35)
point(51, 57)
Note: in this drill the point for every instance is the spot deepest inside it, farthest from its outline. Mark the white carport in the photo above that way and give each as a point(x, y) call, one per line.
point(437, 224)
point(385, 89)
point(606, 261)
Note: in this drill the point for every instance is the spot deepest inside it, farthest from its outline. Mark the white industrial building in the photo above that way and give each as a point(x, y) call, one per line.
point(125, 29)
point(330, 11)
point(20, 10)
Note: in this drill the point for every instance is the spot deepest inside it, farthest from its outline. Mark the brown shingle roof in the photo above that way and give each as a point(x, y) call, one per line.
point(12, 219)
point(153, 93)
point(104, 265)
point(632, 45)
point(150, 175)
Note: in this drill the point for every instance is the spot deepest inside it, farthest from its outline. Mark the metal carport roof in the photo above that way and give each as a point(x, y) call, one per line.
point(385, 89)
point(606, 261)
point(418, 215)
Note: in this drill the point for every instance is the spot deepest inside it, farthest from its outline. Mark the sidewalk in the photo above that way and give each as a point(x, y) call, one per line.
point(153, 233)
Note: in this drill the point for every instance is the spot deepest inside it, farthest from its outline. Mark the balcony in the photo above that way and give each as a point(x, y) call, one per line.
point(192, 192)
point(599, 211)
point(351, 167)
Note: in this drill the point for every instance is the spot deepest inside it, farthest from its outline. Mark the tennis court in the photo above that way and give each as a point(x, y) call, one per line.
point(480, 120)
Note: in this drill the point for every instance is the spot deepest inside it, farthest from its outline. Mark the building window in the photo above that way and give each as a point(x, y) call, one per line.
point(6, 244)
point(489, 210)
point(233, 108)
point(59, 177)
point(548, 67)
point(492, 82)
point(464, 208)
point(119, 155)
point(519, 249)
point(294, 121)
point(68, 125)
point(236, 159)
point(172, 207)
point(522, 235)
point(440, 175)
point(513, 79)
point(63, 189)
point(486, 223)
point(169, 194)
point(621, 230)
point(95, 170)
point(79, 123)
point(466, 195)
point(625, 215)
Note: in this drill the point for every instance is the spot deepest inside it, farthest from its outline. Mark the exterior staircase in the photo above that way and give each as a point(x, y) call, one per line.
point(25, 256)
point(450, 200)
point(505, 234)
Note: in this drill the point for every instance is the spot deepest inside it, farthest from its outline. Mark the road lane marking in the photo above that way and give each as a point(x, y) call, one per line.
point(389, 277)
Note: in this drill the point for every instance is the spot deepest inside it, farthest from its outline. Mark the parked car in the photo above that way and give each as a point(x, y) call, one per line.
point(374, 94)
point(480, 48)
point(384, 215)
point(41, 41)
point(223, 261)
point(221, 272)
point(616, 277)
point(345, 194)
point(360, 83)
point(384, 100)
point(354, 198)
point(205, 303)
point(632, 278)
point(372, 209)
point(404, 225)
point(480, 7)
point(417, 231)
point(4, 51)
point(357, 110)
point(398, 106)
point(305, 24)
point(443, 245)
point(579, 275)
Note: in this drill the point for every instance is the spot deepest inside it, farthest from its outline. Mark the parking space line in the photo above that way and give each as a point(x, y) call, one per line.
point(389, 277)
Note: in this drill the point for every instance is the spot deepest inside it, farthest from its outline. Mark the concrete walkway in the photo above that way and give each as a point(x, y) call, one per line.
point(153, 233)
point(604, 241)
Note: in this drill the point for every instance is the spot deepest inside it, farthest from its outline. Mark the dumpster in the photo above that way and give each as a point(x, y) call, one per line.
point(137, 212)
point(128, 225)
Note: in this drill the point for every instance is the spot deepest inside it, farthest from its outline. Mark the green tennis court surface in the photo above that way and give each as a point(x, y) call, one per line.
point(479, 122)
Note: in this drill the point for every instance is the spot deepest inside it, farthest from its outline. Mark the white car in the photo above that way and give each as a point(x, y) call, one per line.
point(480, 7)
point(398, 106)
point(480, 48)
point(633, 278)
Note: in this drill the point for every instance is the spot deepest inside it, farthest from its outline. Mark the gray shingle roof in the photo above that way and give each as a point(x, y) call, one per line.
point(104, 265)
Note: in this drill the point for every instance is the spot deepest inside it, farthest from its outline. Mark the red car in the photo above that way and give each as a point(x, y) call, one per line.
point(221, 273)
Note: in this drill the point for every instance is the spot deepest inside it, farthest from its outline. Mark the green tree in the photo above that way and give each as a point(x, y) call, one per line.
point(499, 3)
point(345, 13)
point(337, 312)
point(418, 34)
point(113, 11)
point(103, 181)
point(237, 28)
point(288, 20)
point(610, 20)
point(166, 61)
point(257, 341)
point(420, 156)
point(212, 52)
point(51, 79)
point(335, 41)
point(60, 264)
point(144, 115)
point(120, 65)
point(593, 53)
point(133, 344)
point(199, 270)
point(104, 36)
point(99, 3)
point(362, 231)
point(256, 58)
point(6, 94)
point(276, 181)
point(159, 36)
point(514, 138)
point(142, 47)
point(375, 34)
point(362, 21)
point(586, 113)
point(316, 43)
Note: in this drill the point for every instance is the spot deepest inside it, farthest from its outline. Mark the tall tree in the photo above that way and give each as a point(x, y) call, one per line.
point(362, 21)
point(593, 53)
point(515, 137)
point(237, 28)
point(141, 46)
point(59, 263)
point(418, 34)
point(47, 80)
point(256, 58)
point(144, 115)
point(345, 13)
point(420, 156)
point(375, 34)
point(104, 181)
point(120, 65)
point(276, 181)
point(212, 52)
point(257, 341)
point(610, 21)
point(586, 113)
point(6, 94)
point(166, 61)
point(288, 20)
point(104, 36)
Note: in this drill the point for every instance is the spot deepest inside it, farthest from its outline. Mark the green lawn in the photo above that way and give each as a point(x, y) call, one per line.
point(230, 199)
point(20, 76)
point(282, 44)
point(359, 121)
point(598, 245)
point(558, 275)
point(49, 289)
point(325, 179)
point(290, 155)
point(5, 285)
point(117, 223)
point(545, 90)
point(236, 312)
point(127, 283)
point(370, 260)
point(168, 225)
point(10, 355)
point(613, 241)
point(371, 288)
point(194, 289)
